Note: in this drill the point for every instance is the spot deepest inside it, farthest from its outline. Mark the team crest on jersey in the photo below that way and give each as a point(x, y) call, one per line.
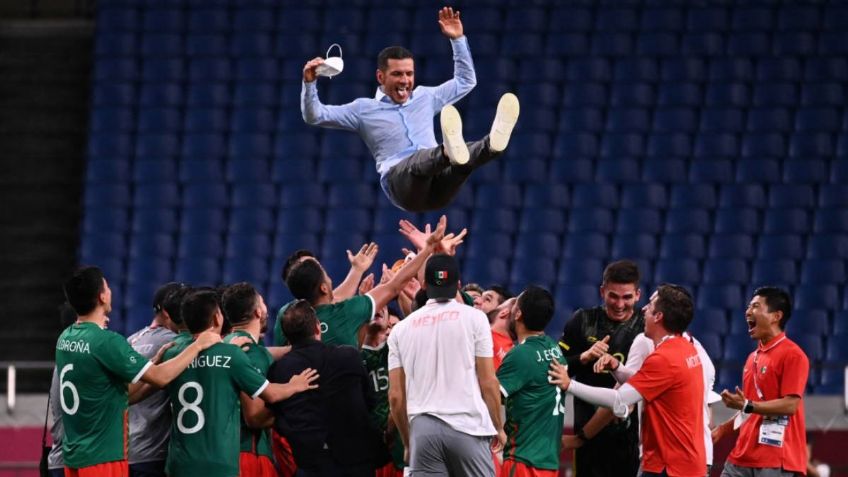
point(763, 370)
point(132, 359)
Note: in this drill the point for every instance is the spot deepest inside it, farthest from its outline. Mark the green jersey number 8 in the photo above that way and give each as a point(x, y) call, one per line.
point(190, 406)
point(72, 409)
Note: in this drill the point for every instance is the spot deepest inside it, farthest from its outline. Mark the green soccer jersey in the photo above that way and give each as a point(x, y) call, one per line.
point(205, 433)
point(182, 338)
point(376, 361)
point(255, 441)
point(534, 408)
point(340, 322)
point(94, 367)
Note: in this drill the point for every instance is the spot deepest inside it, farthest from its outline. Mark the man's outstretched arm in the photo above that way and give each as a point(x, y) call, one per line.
point(317, 114)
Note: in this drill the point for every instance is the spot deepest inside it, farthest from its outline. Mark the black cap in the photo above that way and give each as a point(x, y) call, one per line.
point(162, 293)
point(442, 276)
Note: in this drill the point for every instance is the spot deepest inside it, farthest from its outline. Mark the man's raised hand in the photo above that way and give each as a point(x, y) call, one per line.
point(434, 239)
point(309, 69)
point(364, 258)
point(449, 23)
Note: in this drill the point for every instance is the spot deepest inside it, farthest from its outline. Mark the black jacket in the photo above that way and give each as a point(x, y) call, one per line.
point(333, 420)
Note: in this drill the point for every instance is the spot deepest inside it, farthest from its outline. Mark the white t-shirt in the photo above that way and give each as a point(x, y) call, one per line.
point(642, 346)
point(437, 347)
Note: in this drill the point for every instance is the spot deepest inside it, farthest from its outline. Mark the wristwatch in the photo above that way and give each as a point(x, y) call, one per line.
point(748, 408)
point(581, 435)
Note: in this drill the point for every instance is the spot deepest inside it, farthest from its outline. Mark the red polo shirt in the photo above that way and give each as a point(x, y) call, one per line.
point(502, 344)
point(779, 368)
point(671, 381)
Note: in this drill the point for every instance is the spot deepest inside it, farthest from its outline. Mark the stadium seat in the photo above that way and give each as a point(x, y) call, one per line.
point(542, 220)
point(688, 220)
point(208, 94)
point(286, 243)
point(540, 271)
point(152, 244)
point(547, 195)
point(682, 246)
point(737, 220)
point(727, 297)
point(823, 271)
point(827, 246)
point(486, 269)
point(774, 271)
point(693, 196)
point(198, 271)
point(637, 94)
point(572, 17)
point(789, 221)
point(789, 246)
point(351, 219)
point(731, 245)
point(712, 170)
point(737, 348)
point(663, 170)
point(591, 219)
point(763, 171)
point(245, 269)
point(832, 381)
point(721, 119)
point(200, 220)
point(490, 219)
point(816, 296)
point(595, 195)
point(495, 245)
point(248, 173)
point(579, 271)
point(709, 321)
point(644, 195)
point(683, 271)
point(726, 271)
point(768, 120)
point(252, 218)
point(831, 220)
point(586, 245)
point(634, 245)
point(675, 120)
point(149, 270)
point(726, 97)
point(577, 296)
point(639, 221)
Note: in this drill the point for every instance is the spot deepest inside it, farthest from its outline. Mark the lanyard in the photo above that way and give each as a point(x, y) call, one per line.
point(757, 368)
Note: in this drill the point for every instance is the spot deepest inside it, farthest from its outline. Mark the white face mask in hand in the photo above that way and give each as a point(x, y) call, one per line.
point(332, 65)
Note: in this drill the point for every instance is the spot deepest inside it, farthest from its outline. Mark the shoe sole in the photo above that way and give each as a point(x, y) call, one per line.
point(455, 147)
point(505, 119)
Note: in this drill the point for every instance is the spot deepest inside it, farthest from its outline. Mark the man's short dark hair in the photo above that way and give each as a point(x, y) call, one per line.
point(198, 310)
point(292, 260)
point(537, 307)
point(675, 303)
point(173, 302)
point(67, 315)
point(299, 322)
point(305, 279)
point(777, 299)
point(392, 53)
point(83, 289)
point(239, 301)
point(622, 272)
point(502, 291)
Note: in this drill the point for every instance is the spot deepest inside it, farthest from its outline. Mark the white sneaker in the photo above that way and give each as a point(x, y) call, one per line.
point(505, 120)
point(454, 144)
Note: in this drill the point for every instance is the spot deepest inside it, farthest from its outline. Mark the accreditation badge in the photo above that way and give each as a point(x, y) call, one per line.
point(772, 430)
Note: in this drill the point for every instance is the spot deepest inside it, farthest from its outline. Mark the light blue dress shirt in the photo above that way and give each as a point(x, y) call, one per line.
point(393, 131)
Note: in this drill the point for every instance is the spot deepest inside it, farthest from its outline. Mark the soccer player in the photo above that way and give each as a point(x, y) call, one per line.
point(500, 322)
point(341, 321)
point(375, 357)
point(205, 397)
point(604, 448)
point(94, 367)
point(534, 408)
point(359, 264)
point(150, 419)
point(248, 314)
point(772, 439)
point(670, 382)
point(416, 173)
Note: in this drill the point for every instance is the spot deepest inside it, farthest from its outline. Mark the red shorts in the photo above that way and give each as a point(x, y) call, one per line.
point(283, 455)
point(388, 470)
point(512, 468)
point(116, 468)
point(256, 465)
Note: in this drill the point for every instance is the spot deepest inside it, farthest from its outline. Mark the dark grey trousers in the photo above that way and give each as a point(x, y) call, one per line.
point(436, 449)
point(731, 470)
point(427, 181)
